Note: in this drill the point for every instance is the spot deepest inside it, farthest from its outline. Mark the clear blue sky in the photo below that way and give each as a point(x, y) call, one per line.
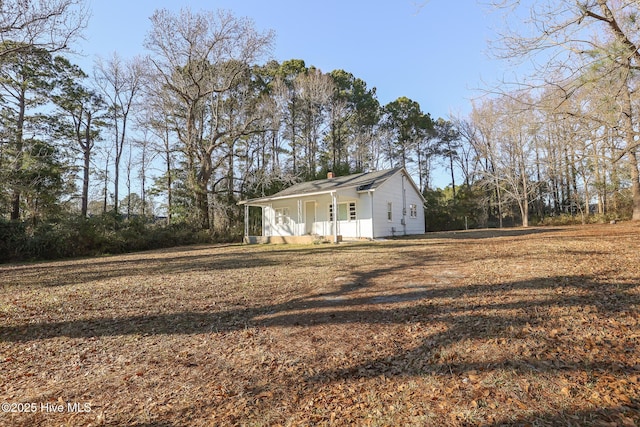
point(433, 52)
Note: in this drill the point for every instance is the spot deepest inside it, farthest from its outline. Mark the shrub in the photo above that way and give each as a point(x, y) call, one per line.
point(13, 240)
point(75, 236)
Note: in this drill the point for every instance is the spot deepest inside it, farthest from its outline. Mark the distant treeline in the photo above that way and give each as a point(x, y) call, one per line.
point(203, 121)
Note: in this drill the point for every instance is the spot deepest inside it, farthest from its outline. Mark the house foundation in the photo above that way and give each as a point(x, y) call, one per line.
point(291, 240)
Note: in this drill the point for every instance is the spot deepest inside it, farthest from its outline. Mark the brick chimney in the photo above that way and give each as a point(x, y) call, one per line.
point(330, 175)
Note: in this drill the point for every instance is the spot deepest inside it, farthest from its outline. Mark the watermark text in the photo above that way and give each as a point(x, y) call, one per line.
point(45, 407)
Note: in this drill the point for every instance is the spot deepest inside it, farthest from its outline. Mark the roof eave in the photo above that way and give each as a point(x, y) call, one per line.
point(262, 200)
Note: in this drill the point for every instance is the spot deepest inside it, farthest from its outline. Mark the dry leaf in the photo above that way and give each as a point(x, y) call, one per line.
point(492, 324)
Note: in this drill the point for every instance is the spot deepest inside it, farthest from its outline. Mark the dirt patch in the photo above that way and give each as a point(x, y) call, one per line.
point(525, 327)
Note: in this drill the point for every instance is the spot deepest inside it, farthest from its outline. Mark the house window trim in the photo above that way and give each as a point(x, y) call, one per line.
point(281, 216)
point(390, 211)
point(413, 210)
point(352, 214)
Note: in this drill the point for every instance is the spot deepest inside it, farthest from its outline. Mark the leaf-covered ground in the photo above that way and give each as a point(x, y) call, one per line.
point(515, 327)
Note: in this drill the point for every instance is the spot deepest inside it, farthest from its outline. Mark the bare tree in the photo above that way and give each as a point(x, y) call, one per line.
point(583, 41)
point(50, 25)
point(157, 116)
point(485, 119)
point(315, 89)
point(467, 156)
point(502, 142)
point(121, 82)
point(200, 58)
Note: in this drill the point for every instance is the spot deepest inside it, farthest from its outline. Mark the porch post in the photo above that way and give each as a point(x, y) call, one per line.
point(334, 201)
point(246, 223)
point(299, 223)
point(373, 226)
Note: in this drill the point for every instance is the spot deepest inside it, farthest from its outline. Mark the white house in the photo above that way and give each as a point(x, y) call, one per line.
point(359, 206)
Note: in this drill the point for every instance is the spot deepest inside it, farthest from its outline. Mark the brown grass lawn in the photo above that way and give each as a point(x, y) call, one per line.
point(526, 327)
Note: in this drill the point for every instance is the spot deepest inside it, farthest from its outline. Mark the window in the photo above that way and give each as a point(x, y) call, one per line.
point(346, 211)
point(342, 211)
point(390, 211)
point(282, 216)
point(413, 210)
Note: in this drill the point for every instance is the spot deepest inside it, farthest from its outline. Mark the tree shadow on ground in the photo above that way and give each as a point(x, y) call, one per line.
point(189, 322)
point(616, 416)
point(197, 259)
point(480, 312)
point(484, 233)
point(63, 274)
point(350, 304)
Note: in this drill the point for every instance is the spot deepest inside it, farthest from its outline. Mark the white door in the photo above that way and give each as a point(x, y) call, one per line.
point(309, 217)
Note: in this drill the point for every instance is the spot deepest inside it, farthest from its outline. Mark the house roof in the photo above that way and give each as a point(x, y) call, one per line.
point(365, 181)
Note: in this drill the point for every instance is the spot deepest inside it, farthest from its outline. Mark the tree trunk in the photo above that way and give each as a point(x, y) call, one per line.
point(85, 183)
point(598, 178)
point(201, 190)
point(524, 211)
point(499, 202)
point(524, 206)
point(453, 178)
point(635, 184)
point(116, 167)
point(167, 153)
point(627, 113)
point(86, 153)
point(169, 191)
point(15, 197)
point(294, 146)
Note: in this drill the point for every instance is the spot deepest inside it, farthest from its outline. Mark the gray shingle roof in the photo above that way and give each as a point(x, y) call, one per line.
point(361, 181)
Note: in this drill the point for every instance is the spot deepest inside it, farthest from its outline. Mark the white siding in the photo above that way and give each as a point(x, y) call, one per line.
point(391, 191)
point(323, 226)
point(290, 225)
point(364, 216)
point(361, 226)
point(295, 225)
